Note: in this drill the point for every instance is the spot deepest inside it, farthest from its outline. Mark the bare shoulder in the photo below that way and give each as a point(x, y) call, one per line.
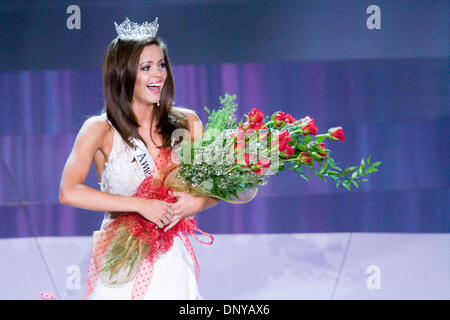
point(188, 113)
point(95, 125)
point(193, 122)
point(94, 130)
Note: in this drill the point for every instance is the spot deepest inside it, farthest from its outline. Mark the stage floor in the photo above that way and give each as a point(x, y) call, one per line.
point(257, 266)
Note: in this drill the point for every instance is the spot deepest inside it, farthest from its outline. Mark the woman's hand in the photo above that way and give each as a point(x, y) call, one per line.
point(157, 211)
point(186, 206)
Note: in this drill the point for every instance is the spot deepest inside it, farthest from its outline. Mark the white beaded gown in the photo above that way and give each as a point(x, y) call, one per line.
point(174, 273)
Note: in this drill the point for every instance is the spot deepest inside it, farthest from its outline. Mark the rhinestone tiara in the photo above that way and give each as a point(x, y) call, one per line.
point(128, 30)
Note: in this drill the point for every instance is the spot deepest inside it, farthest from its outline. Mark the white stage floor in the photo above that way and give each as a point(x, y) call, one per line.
point(257, 266)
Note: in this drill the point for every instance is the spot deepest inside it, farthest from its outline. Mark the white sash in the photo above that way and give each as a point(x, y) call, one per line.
point(142, 156)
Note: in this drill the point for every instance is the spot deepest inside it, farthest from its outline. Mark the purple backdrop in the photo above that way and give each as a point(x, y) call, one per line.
point(394, 110)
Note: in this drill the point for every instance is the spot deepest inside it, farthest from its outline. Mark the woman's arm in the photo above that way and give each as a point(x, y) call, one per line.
point(74, 193)
point(196, 129)
point(188, 205)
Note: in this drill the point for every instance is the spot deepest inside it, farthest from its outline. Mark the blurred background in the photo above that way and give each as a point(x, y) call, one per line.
point(387, 87)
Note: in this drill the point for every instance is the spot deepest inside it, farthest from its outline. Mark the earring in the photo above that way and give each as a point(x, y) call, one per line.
point(157, 104)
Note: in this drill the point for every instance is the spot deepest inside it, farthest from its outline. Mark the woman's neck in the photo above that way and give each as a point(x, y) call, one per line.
point(143, 113)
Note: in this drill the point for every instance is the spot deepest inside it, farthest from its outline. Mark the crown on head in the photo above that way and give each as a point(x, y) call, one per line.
point(128, 30)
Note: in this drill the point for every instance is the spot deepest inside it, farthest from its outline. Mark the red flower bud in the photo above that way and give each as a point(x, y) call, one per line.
point(322, 151)
point(246, 126)
point(261, 166)
point(281, 118)
point(337, 133)
point(257, 125)
point(255, 116)
point(305, 157)
point(283, 138)
point(288, 151)
point(310, 128)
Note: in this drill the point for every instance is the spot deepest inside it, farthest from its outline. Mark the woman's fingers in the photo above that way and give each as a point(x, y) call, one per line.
point(177, 194)
point(168, 215)
point(176, 209)
point(166, 219)
point(170, 209)
point(174, 222)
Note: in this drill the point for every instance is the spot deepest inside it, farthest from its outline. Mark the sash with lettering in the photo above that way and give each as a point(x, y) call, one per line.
point(128, 247)
point(142, 156)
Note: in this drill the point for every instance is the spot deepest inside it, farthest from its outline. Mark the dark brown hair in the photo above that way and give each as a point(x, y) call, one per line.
point(119, 76)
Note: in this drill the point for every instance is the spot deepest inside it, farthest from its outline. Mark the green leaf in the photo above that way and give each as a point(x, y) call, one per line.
point(320, 139)
point(304, 176)
point(370, 170)
point(333, 164)
point(307, 140)
point(346, 184)
point(348, 170)
point(324, 167)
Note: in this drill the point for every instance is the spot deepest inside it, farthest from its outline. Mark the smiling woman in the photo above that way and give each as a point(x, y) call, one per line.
point(125, 142)
point(129, 69)
point(151, 74)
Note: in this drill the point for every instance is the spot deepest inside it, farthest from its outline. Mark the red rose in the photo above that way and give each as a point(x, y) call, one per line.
point(283, 146)
point(246, 126)
point(337, 133)
point(255, 120)
point(261, 166)
point(255, 116)
point(322, 151)
point(305, 157)
point(281, 118)
point(290, 119)
point(257, 125)
point(310, 128)
point(288, 151)
point(283, 138)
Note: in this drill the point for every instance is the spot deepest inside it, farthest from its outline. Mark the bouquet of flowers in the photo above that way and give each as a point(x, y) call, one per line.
point(230, 162)
point(233, 158)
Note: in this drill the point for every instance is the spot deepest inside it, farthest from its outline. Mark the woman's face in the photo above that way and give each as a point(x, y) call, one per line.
point(151, 75)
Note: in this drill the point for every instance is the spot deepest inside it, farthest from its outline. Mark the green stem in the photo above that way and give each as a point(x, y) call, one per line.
point(295, 131)
point(322, 135)
point(232, 168)
point(266, 124)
